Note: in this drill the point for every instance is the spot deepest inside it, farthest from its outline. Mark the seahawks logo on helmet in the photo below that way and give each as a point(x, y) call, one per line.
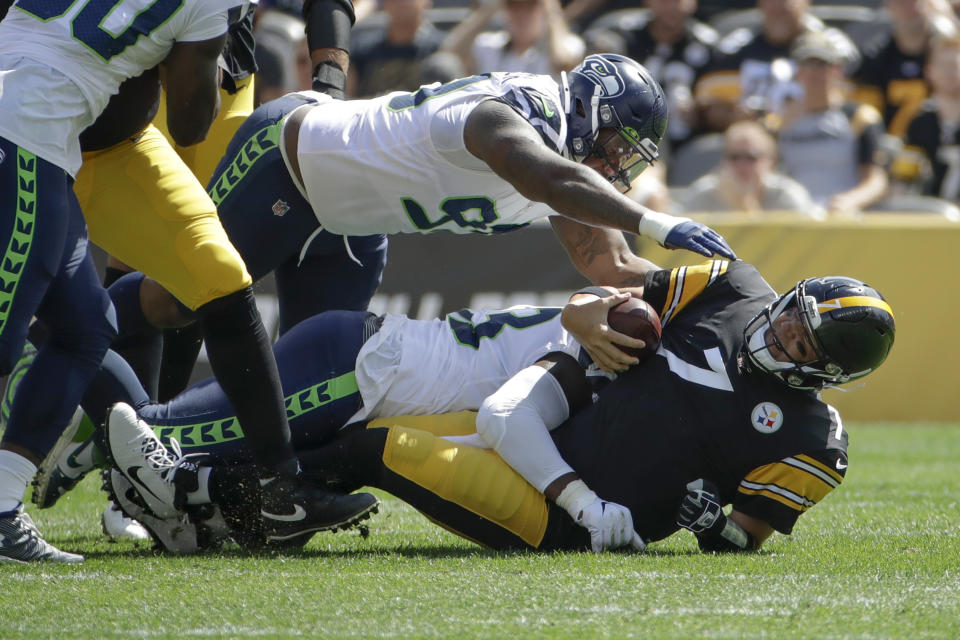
point(604, 74)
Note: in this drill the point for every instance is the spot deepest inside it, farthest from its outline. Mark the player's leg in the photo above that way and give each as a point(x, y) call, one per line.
point(265, 216)
point(190, 255)
point(181, 346)
point(328, 277)
point(468, 491)
point(47, 272)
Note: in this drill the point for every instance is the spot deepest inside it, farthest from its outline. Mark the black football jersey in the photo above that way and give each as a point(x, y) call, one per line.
point(750, 70)
point(694, 411)
point(929, 142)
point(891, 81)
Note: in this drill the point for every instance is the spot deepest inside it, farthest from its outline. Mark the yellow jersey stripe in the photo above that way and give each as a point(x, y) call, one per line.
point(804, 483)
point(686, 283)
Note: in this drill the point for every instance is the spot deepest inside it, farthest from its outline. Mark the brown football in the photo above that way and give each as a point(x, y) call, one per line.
point(637, 319)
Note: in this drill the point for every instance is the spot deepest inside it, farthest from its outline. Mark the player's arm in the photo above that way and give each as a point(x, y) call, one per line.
point(191, 80)
point(513, 149)
point(585, 317)
point(701, 512)
point(516, 420)
point(328, 24)
point(601, 255)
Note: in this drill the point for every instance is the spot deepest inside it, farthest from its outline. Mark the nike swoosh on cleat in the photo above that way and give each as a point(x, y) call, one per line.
point(135, 472)
point(841, 466)
point(72, 459)
point(298, 514)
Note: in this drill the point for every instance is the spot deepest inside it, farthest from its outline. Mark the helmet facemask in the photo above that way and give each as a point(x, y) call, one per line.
point(839, 316)
point(760, 334)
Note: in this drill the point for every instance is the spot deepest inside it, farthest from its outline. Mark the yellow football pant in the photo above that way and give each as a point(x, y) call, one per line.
point(145, 207)
point(476, 480)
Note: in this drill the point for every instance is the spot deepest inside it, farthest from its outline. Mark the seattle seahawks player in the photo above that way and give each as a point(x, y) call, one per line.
point(186, 40)
point(59, 64)
point(339, 367)
point(484, 154)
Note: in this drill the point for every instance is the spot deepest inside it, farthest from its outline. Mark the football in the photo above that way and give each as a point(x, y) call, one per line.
point(637, 319)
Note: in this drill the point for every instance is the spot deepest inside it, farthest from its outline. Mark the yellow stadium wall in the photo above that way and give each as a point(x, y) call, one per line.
point(907, 258)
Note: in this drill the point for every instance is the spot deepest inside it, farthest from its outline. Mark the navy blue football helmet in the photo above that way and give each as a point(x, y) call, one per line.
point(615, 111)
point(849, 324)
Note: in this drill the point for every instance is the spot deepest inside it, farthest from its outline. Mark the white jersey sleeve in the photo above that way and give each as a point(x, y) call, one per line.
point(61, 61)
point(417, 367)
point(398, 163)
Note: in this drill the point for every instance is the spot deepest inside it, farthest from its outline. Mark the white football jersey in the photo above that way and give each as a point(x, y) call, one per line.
point(398, 163)
point(418, 367)
point(61, 61)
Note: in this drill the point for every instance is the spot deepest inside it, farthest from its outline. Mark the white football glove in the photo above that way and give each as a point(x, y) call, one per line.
point(610, 524)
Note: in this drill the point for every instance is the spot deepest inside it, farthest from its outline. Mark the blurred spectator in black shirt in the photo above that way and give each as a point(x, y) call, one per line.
point(676, 49)
point(535, 39)
point(890, 76)
point(390, 58)
point(754, 74)
point(931, 156)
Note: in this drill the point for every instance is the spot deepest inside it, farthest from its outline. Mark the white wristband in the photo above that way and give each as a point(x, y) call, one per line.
point(576, 497)
point(656, 225)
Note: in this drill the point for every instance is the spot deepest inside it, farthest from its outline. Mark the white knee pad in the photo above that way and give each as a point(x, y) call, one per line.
point(516, 422)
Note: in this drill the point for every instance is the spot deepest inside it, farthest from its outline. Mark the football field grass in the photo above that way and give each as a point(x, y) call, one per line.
point(878, 558)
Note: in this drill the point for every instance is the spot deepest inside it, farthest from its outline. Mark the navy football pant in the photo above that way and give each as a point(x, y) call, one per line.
point(47, 272)
point(316, 360)
point(275, 230)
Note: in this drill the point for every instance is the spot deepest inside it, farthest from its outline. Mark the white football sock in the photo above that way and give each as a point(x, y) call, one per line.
point(15, 473)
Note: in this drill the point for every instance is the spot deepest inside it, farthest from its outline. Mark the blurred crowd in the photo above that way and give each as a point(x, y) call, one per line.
point(822, 108)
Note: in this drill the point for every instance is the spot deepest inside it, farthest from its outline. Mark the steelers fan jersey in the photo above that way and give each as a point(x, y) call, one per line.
point(416, 367)
point(63, 60)
point(676, 66)
point(751, 71)
point(931, 146)
point(891, 81)
point(398, 163)
point(693, 412)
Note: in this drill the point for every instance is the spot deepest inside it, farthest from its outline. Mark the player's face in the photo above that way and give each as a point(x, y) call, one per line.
point(788, 341)
point(615, 158)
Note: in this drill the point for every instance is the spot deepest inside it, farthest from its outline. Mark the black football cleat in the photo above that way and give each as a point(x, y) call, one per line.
point(292, 507)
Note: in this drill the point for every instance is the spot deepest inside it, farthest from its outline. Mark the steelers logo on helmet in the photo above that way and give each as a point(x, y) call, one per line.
point(616, 112)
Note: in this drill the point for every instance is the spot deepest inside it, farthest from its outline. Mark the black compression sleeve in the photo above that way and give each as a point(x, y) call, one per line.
point(328, 23)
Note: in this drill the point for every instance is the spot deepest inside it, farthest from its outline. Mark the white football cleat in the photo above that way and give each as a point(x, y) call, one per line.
point(140, 456)
point(116, 524)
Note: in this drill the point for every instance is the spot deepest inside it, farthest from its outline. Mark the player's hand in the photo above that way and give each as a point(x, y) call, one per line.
point(610, 526)
point(586, 318)
point(700, 509)
point(699, 238)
